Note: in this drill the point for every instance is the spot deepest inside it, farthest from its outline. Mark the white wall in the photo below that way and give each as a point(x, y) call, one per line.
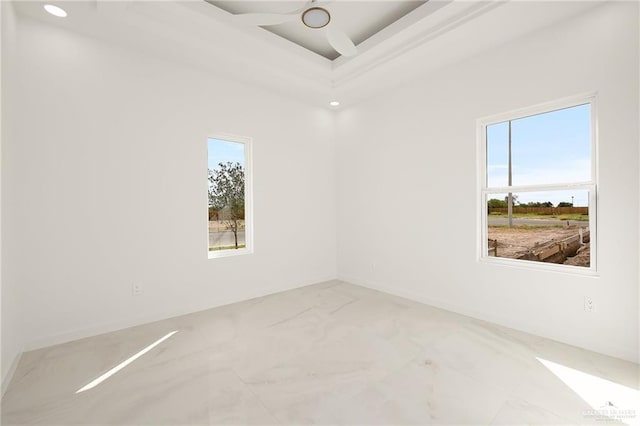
point(407, 203)
point(103, 185)
point(11, 301)
point(106, 169)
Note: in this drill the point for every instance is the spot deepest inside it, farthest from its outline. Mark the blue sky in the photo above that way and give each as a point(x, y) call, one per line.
point(221, 151)
point(549, 148)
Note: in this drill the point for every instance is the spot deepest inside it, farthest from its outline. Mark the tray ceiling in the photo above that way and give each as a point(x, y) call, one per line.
point(199, 35)
point(358, 19)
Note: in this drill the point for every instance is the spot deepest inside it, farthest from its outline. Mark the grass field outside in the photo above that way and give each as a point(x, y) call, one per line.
point(525, 227)
point(569, 216)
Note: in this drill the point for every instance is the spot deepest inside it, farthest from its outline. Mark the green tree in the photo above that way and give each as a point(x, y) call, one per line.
point(565, 204)
point(538, 204)
point(495, 203)
point(226, 195)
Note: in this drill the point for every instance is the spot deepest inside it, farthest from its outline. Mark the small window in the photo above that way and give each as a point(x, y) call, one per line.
point(229, 195)
point(538, 187)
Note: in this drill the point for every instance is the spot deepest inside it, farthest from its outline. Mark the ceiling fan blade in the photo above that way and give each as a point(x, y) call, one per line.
point(264, 19)
point(341, 42)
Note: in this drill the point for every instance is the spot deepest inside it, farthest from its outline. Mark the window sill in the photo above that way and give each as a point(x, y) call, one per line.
point(229, 253)
point(541, 266)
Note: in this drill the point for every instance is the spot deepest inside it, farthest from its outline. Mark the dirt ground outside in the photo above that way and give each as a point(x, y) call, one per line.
point(221, 225)
point(514, 241)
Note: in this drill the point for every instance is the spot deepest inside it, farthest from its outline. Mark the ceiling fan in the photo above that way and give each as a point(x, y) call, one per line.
point(311, 15)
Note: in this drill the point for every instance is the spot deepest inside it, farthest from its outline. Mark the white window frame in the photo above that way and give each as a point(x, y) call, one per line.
point(248, 197)
point(590, 185)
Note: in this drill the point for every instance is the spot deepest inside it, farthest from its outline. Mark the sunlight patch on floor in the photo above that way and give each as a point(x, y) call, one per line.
point(608, 400)
point(123, 364)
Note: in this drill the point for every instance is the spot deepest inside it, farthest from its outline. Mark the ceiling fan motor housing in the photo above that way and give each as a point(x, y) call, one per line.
point(316, 17)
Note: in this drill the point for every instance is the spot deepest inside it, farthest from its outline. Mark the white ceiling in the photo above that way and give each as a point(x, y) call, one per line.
point(358, 19)
point(197, 34)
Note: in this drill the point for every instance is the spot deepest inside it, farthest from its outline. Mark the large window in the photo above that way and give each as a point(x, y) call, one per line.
point(229, 195)
point(538, 186)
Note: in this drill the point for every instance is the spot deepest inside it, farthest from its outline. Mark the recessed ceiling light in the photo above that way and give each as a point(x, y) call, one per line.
point(334, 103)
point(316, 17)
point(55, 10)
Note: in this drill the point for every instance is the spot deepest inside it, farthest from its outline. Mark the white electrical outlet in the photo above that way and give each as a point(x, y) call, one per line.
point(589, 305)
point(136, 289)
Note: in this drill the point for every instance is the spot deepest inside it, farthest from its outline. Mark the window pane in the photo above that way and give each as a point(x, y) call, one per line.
point(497, 154)
point(546, 226)
point(554, 147)
point(226, 163)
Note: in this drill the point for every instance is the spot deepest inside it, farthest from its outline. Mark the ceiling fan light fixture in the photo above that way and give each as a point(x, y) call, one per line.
point(316, 17)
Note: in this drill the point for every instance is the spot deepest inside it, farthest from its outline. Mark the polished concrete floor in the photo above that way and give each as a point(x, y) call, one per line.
point(331, 353)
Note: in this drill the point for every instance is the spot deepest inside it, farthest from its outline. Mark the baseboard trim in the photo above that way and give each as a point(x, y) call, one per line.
point(616, 352)
point(12, 370)
point(107, 327)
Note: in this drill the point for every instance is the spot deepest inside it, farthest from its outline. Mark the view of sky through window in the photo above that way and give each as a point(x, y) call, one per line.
point(549, 148)
point(221, 151)
point(540, 187)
